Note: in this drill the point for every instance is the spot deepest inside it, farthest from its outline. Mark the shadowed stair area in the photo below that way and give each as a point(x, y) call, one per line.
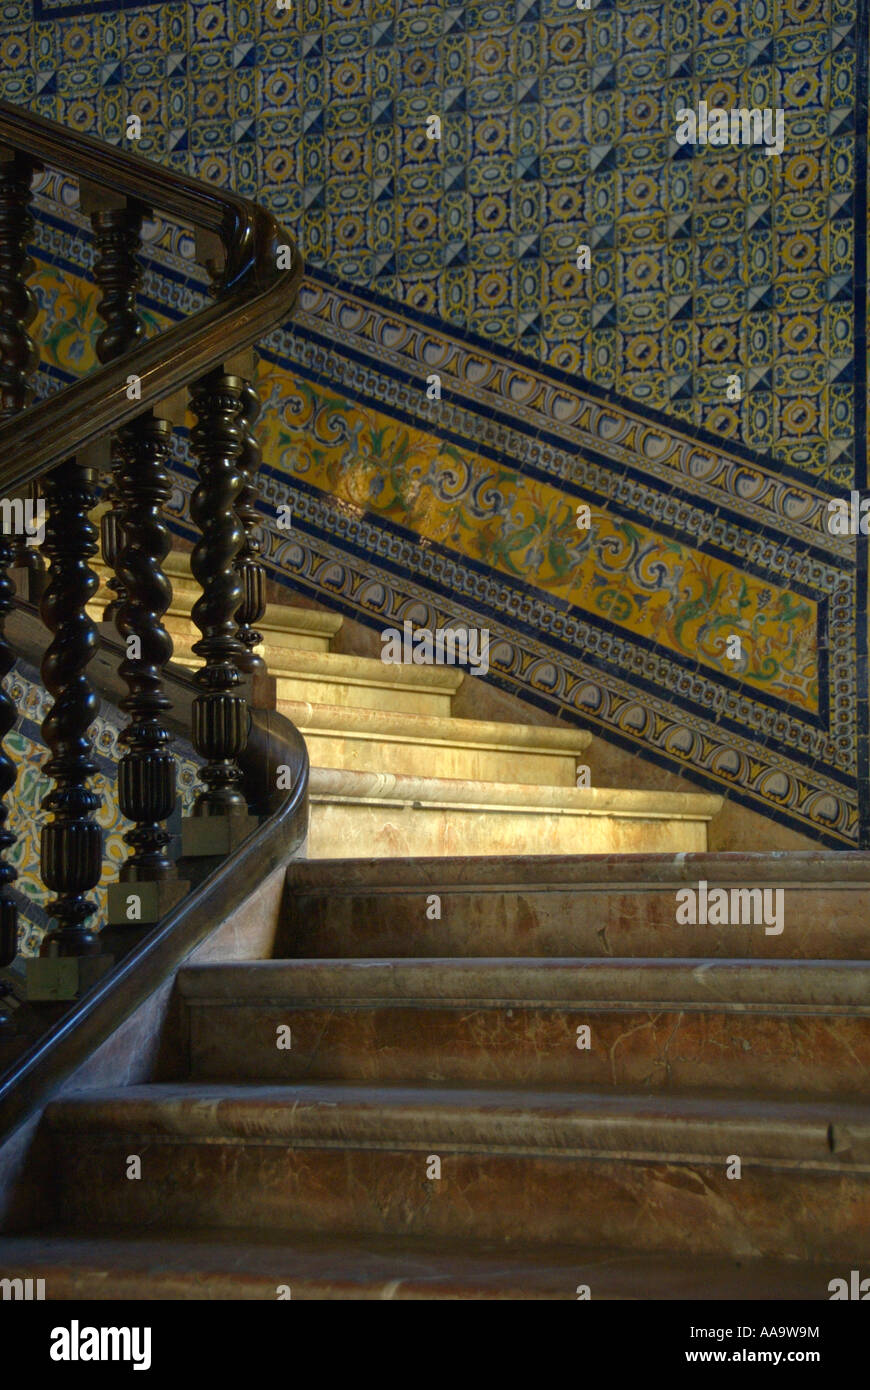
point(491, 1078)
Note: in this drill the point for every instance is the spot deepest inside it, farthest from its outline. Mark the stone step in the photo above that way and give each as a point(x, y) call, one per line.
point(361, 814)
point(572, 905)
point(427, 745)
point(777, 1026)
point(297, 629)
point(251, 1265)
point(626, 1171)
point(304, 629)
point(333, 678)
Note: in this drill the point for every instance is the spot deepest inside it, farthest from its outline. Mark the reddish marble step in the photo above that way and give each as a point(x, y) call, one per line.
point(619, 1170)
point(556, 905)
point(777, 1026)
point(249, 1265)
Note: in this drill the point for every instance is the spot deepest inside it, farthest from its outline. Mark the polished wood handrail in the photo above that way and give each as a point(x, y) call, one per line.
point(255, 297)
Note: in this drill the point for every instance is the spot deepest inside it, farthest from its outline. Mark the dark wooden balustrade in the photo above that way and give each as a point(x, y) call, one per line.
point(18, 359)
point(117, 227)
point(249, 563)
point(95, 436)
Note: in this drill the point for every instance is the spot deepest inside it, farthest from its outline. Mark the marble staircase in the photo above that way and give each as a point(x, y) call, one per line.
point(711, 1141)
point(396, 772)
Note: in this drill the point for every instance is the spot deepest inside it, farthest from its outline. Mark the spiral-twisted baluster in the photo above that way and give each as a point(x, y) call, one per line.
point(251, 569)
point(220, 717)
point(8, 875)
point(117, 228)
point(18, 360)
point(72, 842)
point(146, 773)
point(18, 353)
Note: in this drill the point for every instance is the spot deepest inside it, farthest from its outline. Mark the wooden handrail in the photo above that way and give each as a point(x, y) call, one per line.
point(255, 297)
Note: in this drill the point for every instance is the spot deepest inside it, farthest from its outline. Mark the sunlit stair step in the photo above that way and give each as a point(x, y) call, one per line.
point(362, 814)
point(424, 745)
point(336, 679)
point(281, 625)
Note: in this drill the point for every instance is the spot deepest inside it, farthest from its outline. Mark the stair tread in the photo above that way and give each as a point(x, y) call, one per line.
point(317, 718)
point(635, 872)
point(345, 784)
point(341, 668)
point(113, 1264)
point(551, 1119)
point(365, 670)
point(277, 619)
point(822, 985)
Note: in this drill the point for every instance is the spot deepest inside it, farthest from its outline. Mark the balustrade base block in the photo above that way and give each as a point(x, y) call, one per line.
point(155, 898)
point(205, 836)
point(49, 978)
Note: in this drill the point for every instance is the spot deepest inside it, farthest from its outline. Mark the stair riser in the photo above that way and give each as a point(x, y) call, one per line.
point(395, 698)
point(422, 759)
point(647, 1205)
point(521, 1045)
point(819, 924)
point(385, 831)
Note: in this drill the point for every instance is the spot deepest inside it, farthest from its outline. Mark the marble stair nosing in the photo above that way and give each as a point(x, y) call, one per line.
point(639, 872)
point(442, 793)
point(823, 986)
point(826, 1134)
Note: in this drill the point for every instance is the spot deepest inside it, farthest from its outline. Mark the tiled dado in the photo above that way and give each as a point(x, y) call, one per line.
point(401, 515)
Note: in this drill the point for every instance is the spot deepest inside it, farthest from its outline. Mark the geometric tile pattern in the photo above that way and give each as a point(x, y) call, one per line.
point(556, 129)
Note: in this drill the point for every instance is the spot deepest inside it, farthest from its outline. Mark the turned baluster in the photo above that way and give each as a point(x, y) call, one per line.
point(117, 228)
point(146, 773)
point(18, 361)
point(72, 842)
point(8, 875)
point(220, 716)
point(249, 564)
point(19, 356)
